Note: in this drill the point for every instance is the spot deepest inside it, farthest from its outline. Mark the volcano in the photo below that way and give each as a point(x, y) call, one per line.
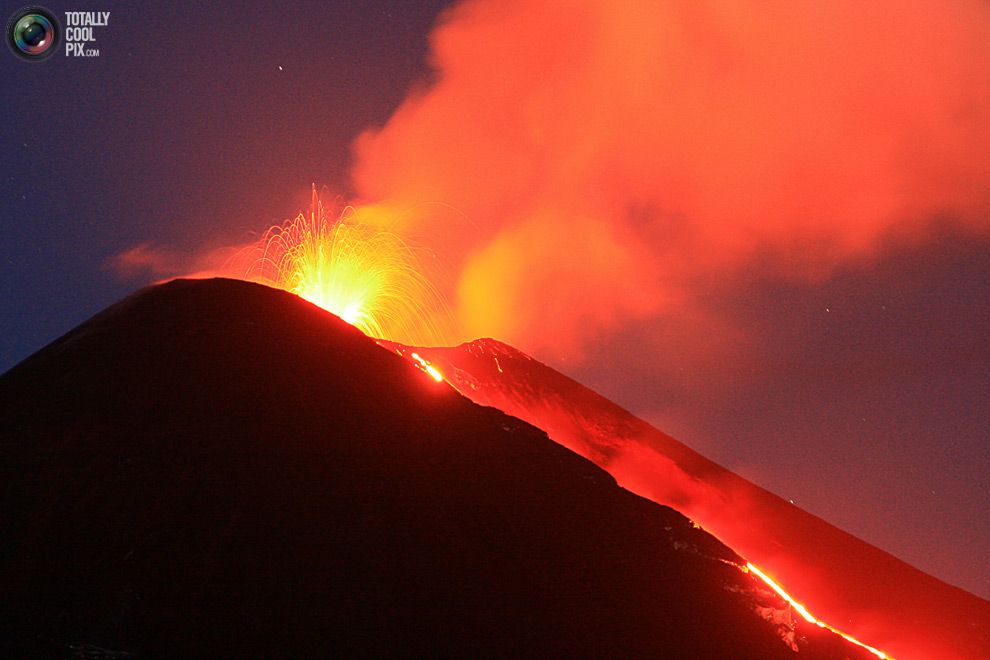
point(215, 468)
point(865, 591)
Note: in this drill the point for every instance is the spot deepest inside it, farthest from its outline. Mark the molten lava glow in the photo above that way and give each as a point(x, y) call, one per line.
point(427, 367)
point(367, 276)
point(806, 615)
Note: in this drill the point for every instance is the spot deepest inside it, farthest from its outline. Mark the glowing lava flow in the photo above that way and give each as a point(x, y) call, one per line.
point(367, 276)
point(427, 367)
point(806, 615)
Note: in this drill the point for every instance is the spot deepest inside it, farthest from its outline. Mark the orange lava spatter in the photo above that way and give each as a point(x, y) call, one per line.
point(367, 275)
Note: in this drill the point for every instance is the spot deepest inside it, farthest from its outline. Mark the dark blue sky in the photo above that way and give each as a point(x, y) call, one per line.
point(183, 132)
point(865, 402)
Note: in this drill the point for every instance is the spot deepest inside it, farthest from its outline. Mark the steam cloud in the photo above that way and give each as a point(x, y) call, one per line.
point(606, 160)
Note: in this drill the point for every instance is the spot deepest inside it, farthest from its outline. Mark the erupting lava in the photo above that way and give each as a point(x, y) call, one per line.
point(367, 276)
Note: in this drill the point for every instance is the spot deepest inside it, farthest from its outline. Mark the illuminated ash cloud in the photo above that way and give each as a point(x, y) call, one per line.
point(605, 160)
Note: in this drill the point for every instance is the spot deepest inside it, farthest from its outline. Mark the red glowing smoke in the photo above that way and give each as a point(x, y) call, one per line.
point(606, 159)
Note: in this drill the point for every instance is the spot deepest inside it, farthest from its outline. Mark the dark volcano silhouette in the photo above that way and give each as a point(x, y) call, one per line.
point(215, 468)
point(845, 581)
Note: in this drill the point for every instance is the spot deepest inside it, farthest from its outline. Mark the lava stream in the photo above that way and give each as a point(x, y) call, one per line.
point(805, 614)
point(427, 367)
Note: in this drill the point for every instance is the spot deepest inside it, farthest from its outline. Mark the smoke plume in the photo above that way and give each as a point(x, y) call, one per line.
point(583, 165)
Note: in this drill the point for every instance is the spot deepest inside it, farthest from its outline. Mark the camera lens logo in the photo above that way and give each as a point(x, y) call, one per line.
point(33, 33)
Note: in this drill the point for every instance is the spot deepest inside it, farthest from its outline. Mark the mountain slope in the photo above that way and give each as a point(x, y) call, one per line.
point(215, 468)
point(843, 580)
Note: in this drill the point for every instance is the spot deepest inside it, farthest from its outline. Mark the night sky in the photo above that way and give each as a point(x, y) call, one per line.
point(183, 132)
point(858, 390)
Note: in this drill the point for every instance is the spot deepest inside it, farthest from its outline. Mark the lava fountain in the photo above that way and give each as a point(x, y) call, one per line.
point(366, 275)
